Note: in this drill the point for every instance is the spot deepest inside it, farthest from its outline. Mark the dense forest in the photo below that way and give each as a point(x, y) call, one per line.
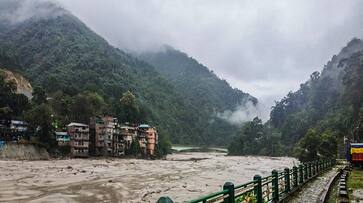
point(202, 91)
point(81, 75)
point(313, 121)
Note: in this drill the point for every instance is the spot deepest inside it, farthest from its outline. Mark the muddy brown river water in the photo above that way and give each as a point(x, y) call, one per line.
point(182, 177)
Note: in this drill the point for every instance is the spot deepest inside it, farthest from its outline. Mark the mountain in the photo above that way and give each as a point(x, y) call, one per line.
point(197, 83)
point(201, 89)
point(56, 51)
point(330, 103)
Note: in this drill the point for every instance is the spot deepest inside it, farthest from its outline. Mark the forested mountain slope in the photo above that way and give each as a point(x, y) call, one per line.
point(201, 89)
point(56, 51)
point(327, 107)
point(59, 53)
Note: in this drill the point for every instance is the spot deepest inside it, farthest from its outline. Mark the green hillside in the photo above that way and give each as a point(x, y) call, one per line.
point(327, 107)
point(60, 54)
point(312, 122)
point(201, 89)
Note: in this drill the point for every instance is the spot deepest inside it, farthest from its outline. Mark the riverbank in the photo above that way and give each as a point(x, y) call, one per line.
point(181, 176)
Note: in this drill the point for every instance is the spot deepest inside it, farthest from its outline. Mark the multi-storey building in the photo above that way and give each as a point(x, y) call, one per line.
point(123, 138)
point(79, 134)
point(148, 139)
point(110, 129)
point(102, 130)
point(97, 136)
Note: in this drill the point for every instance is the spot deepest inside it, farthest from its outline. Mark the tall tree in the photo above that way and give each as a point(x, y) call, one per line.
point(129, 110)
point(86, 105)
point(40, 118)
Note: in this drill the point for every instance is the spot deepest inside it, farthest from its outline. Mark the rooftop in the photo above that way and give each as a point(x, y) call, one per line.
point(77, 125)
point(144, 126)
point(61, 133)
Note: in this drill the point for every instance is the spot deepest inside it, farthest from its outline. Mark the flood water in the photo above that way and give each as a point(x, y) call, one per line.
point(183, 176)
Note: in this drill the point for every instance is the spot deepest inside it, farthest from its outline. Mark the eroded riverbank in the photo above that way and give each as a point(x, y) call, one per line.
point(182, 176)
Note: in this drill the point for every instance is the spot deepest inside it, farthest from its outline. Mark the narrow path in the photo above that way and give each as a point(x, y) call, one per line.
point(312, 190)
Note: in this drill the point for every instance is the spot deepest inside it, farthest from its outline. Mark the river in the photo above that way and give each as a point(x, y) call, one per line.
point(182, 176)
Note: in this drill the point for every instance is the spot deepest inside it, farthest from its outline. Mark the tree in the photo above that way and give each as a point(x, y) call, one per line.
point(353, 83)
point(328, 145)
point(249, 139)
point(40, 119)
point(86, 105)
point(307, 148)
point(11, 103)
point(39, 96)
point(164, 145)
point(129, 110)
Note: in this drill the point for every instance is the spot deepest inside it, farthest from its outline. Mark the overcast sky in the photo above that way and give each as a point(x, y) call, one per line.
point(265, 48)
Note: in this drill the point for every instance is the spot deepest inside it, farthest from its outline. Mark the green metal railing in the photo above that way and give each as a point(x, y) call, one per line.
point(273, 188)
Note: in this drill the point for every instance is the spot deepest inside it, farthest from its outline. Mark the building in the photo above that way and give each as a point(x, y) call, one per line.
point(13, 130)
point(148, 139)
point(19, 126)
point(123, 138)
point(63, 138)
point(97, 136)
point(79, 135)
point(110, 129)
point(102, 130)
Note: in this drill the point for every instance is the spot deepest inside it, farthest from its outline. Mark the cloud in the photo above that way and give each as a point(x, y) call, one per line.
point(265, 48)
point(16, 11)
point(258, 46)
point(244, 113)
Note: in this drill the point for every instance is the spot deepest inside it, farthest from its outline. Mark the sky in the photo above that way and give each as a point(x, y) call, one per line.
point(266, 48)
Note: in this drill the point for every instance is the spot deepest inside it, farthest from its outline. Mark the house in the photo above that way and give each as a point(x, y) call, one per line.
point(148, 139)
point(63, 138)
point(123, 138)
point(79, 134)
point(13, 130)
point(19, 126)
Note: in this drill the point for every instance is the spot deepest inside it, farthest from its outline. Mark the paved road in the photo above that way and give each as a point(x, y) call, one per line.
point(313, 189)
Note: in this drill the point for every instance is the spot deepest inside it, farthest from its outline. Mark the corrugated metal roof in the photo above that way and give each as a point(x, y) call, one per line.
point(77, 124)
point(61, 133)
point(144, 126)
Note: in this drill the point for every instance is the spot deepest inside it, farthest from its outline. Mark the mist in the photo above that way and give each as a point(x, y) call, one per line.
point(245, 112)
point(263, 48)
point(17, 11)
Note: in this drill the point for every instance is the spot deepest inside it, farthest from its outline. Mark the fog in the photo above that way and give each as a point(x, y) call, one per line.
point(265, 48)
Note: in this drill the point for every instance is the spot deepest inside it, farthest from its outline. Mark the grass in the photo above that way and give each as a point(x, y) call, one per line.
point(355, 181)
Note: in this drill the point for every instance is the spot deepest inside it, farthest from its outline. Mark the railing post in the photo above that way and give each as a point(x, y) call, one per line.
point(230, 187)
point(258, 189)
point(306, 172)
point(294, 172)
point(287, 180)
point(301, 174)
point(275, 186)
point(164, 200)
point(309, 174)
